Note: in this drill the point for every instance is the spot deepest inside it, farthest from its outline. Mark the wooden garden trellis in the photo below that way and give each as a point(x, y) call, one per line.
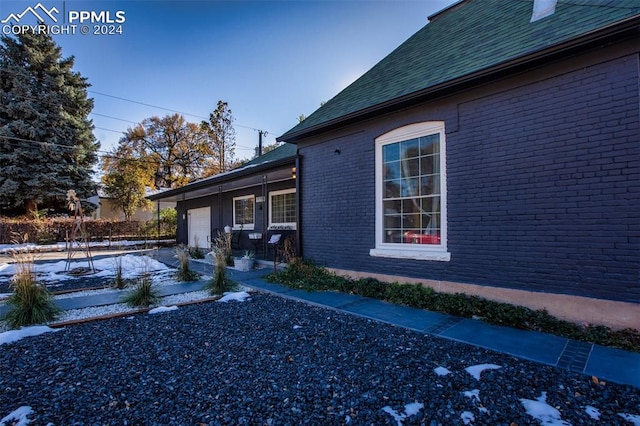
point(78, 238)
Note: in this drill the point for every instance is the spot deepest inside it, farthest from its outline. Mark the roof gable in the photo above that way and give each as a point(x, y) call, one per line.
point(464, 39)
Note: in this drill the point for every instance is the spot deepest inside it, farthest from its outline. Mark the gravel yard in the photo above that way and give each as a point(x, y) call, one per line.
point(274, 361)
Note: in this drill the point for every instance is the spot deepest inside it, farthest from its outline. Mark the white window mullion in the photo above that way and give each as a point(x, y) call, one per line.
point(414, 231)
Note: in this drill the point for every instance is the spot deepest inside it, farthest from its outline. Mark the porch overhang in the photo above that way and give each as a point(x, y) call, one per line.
point(276, 171)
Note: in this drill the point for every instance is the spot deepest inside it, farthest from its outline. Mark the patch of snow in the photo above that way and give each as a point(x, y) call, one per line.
point(409, 410)
point(18, 417)
point(61, 246)
point(476, 370)
point(132, 266)
point(635, 419)
point(161, 309)
point(473, 394)
point(413, 408)
point(540, 410)
point(467, 417)
point(592, 412)
point(239, 296)
point(15, 335)
point(396, 416)
point(441, 371)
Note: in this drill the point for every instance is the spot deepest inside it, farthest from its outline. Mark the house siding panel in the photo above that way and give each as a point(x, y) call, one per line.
point(543, 189)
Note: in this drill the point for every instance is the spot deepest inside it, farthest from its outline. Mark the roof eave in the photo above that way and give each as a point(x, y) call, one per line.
point(465, 81)
point(226, 178)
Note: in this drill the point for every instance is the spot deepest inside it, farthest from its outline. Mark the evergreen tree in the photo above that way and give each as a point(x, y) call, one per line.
point(222, 138)
point(46, 142)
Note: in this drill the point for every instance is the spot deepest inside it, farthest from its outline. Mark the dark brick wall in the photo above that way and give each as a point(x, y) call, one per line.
point(543, 185)
point(222, 212)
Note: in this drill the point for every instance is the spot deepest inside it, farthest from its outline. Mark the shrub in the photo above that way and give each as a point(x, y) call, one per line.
point(30, 302)
point(118, 281)
point(221, 249)
point(144, 293)
point(196, 252)
point(184, 272)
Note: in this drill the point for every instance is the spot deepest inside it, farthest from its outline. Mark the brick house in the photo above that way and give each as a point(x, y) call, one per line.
point(253, 202)
point(496, 152)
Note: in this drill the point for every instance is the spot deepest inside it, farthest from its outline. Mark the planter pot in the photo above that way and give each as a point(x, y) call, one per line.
point(243, 264)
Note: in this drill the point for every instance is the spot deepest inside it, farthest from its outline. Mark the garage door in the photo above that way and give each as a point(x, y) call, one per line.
point(199, 227)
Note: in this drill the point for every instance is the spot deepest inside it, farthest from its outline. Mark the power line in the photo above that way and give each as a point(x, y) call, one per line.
point(113, 118)
point(131, 101)
point(169, 109)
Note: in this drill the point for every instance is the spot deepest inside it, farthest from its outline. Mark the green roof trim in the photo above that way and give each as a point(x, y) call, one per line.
point(466, 38)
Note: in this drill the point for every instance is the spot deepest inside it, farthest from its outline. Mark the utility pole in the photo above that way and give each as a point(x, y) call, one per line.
point(260, 132)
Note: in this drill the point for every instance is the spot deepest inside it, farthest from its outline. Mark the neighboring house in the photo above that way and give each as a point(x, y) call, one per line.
point(108, 208)
point(496, 152)
point(254, 202)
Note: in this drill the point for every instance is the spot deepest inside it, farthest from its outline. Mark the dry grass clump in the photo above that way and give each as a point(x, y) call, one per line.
point(30, 302)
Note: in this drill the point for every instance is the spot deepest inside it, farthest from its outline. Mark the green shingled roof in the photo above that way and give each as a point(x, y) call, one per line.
point(469, 37)
point(283, 151)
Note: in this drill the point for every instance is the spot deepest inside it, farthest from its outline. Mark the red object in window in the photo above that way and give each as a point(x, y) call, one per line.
point(417, 238)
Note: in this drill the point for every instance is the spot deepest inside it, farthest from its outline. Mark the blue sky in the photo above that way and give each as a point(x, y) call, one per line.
point(270, 60)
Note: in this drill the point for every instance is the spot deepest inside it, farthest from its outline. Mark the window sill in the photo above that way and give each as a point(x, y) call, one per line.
point(397, 253)
point(243, 228)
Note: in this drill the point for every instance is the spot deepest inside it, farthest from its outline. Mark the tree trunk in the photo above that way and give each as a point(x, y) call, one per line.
point(31, 208)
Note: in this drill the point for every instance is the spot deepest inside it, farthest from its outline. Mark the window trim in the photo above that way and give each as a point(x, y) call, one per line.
point(410, 251)
point(246, 226)
point(277, 225)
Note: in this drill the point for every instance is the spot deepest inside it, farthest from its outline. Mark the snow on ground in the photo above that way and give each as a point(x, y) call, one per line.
point(441, 371)
point(240, 296)
point(18, 417)
point(161, 309)
point(592, 412)
point(635, 419)
point(132, 266)
point(15, 335)
point(539, 409)
point(29, 247)
point(467, 417)
point(409, 410)
point(476, 370)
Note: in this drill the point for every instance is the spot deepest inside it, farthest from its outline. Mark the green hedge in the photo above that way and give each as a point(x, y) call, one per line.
point(306, 275)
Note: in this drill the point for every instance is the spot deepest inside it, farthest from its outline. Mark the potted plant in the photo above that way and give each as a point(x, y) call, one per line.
point(245, 263)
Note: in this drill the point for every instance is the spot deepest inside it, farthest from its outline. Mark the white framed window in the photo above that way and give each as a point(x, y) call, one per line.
point(411, 216)
point(244, 212)
point(282, 209)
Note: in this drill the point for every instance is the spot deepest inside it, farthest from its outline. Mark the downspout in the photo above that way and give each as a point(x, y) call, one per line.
point(220, 213)
point(158, 204)
point(265, 218)
point(298, 203)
